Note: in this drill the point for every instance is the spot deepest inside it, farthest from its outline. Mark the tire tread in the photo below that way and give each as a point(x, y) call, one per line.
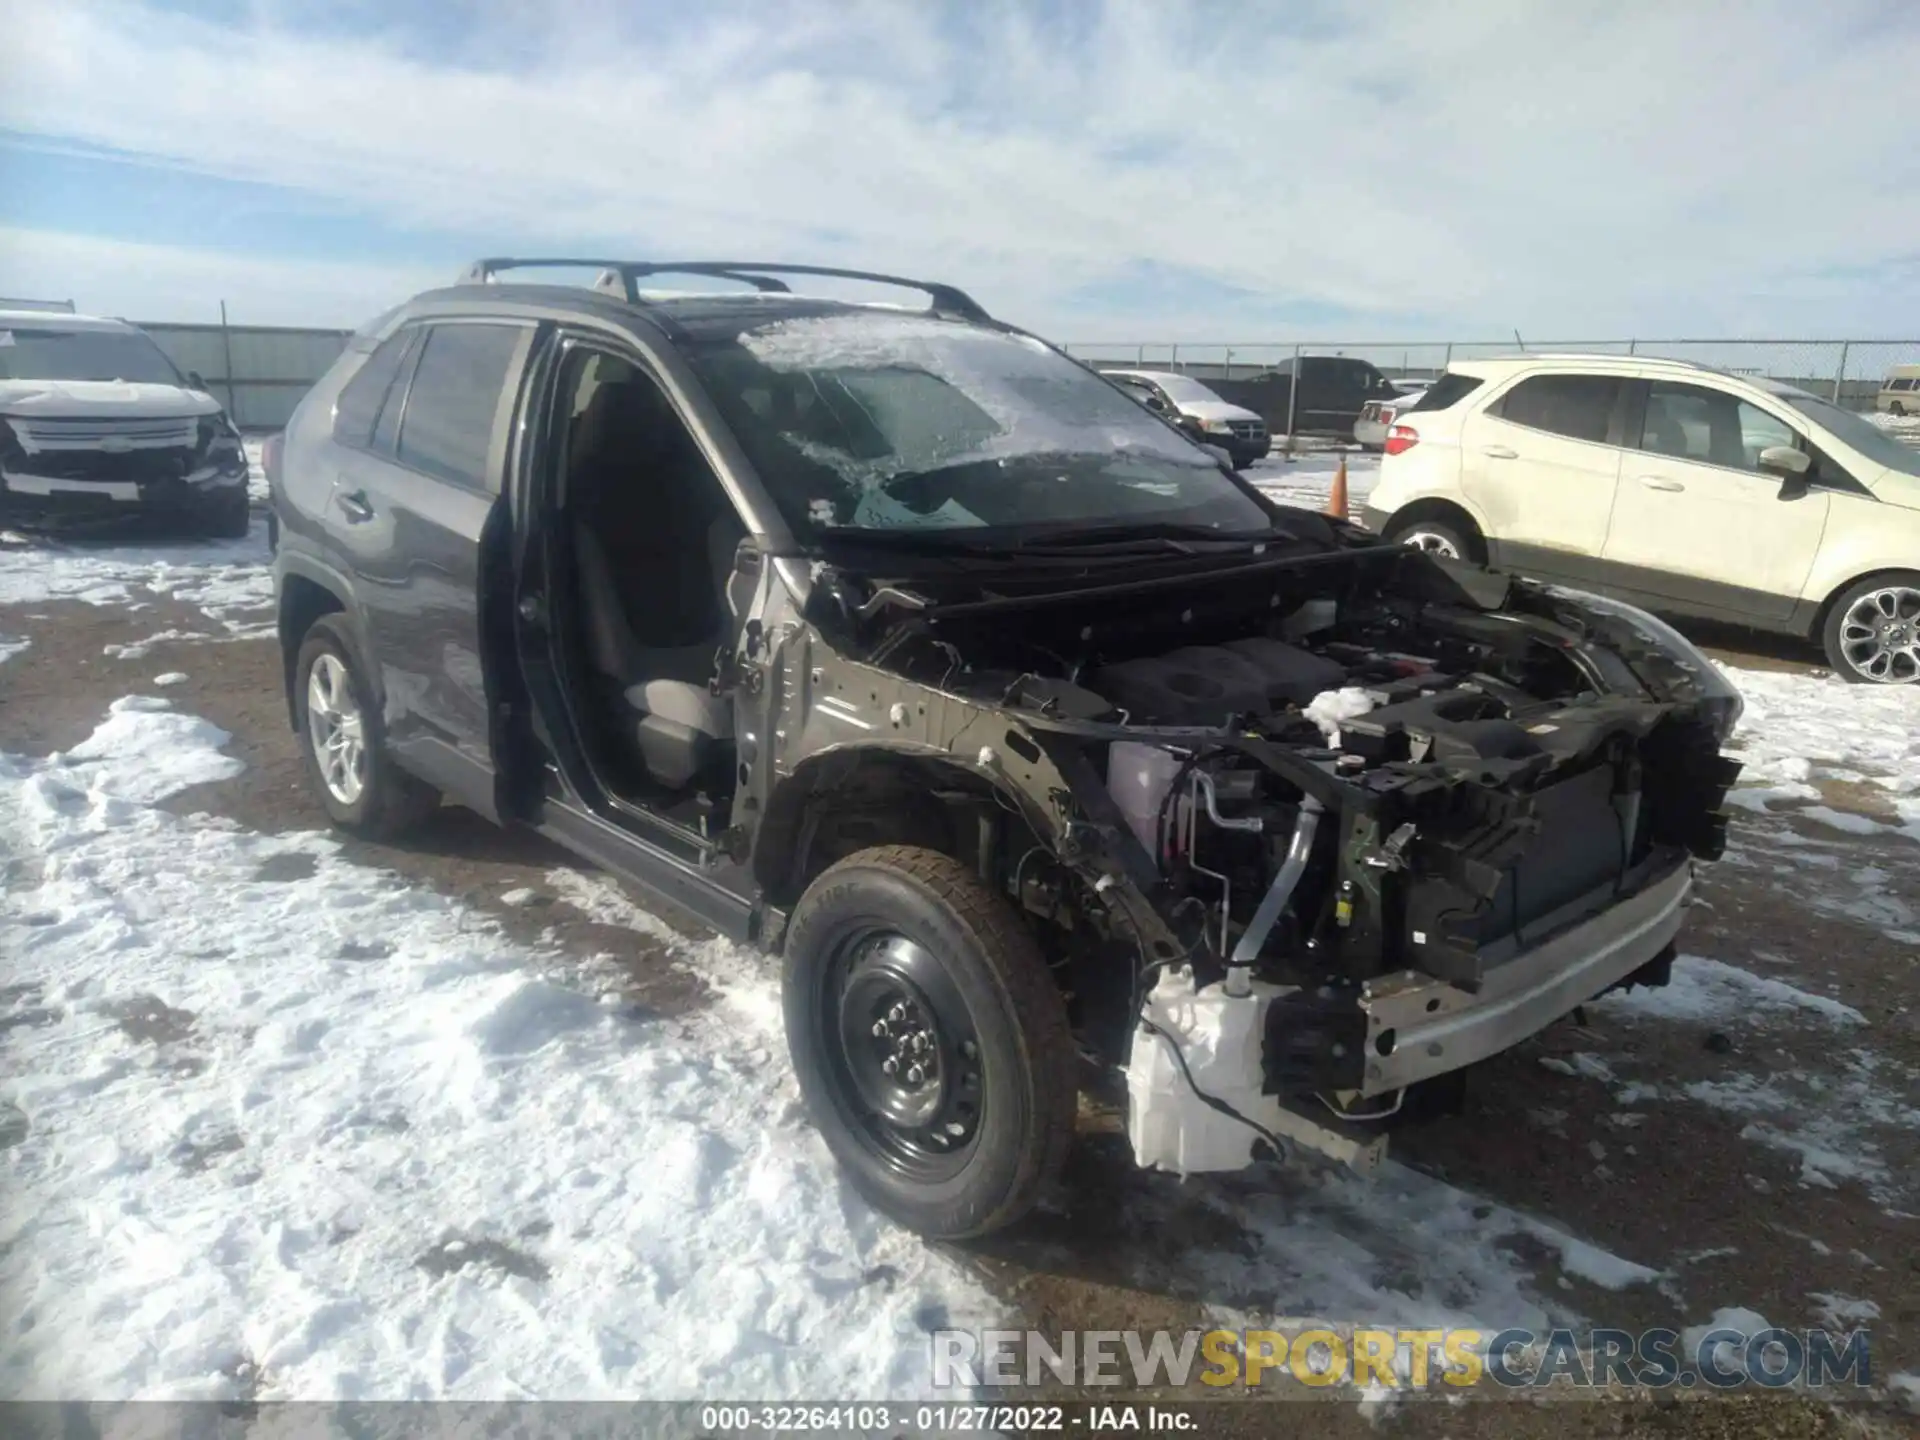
point(1039, 1012)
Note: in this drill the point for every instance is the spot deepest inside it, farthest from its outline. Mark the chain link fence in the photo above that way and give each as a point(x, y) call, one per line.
point(1848, 372)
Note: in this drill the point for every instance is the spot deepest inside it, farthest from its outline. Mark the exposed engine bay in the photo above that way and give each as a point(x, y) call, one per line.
point(1360, 795)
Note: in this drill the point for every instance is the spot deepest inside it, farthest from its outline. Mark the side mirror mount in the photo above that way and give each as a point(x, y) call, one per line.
point(1793, 466)
point(193, 379)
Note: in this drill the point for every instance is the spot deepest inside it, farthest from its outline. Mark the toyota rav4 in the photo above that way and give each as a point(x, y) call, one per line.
point(898, 642)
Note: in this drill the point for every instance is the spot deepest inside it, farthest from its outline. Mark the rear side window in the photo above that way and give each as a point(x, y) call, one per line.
point(1901, 382)
point(1579, 407)
point(358, 407)
point(454, 399)
point(1445, 393)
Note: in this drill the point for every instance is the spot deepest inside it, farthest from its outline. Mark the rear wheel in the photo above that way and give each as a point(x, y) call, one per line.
point(1872, 634)
point(353, 777)
point(1448, 539)
point(930, 1041)
point(1897, 408)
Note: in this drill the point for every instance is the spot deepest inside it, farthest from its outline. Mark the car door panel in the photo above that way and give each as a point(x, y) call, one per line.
point(414, 521)
point(1547, 496)
point(1693, 524)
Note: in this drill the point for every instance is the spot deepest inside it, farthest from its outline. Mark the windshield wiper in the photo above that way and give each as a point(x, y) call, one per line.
point(908, 537)
point(1157, 534)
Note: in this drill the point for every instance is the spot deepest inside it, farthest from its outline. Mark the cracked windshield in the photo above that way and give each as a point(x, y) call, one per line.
point(928, 425)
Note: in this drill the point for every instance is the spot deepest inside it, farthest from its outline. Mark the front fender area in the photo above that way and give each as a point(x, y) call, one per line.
point(864, 757)
point(1857, 546)
point(306, 588)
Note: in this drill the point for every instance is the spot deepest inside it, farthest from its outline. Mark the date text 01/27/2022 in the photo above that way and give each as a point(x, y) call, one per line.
point(962, 1418)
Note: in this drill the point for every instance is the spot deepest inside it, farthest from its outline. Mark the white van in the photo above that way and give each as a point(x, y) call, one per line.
point(1900, 391)
point(1673, 487)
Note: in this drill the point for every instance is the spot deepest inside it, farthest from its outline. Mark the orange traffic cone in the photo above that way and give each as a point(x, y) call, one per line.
point(1337, 502)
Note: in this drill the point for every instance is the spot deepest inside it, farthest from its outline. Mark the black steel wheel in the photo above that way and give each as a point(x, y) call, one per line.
point(929, 1039)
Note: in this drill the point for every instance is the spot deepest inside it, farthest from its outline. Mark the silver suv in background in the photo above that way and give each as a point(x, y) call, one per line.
point(97, 424)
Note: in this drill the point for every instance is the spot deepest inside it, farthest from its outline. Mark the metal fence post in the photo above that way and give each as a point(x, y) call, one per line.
point(226, 349)
point(1633, 347)
point(1447, 363)
point(1293, 394)
point(1840, 375)
point(1228, 366)
point(1173, 358)
point(1140, 357)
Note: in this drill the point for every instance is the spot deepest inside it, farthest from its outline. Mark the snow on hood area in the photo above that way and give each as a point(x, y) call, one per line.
point(1216, 410)
point(89, 399)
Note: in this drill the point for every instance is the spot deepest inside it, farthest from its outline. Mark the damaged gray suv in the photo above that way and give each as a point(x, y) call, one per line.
point(898, 642)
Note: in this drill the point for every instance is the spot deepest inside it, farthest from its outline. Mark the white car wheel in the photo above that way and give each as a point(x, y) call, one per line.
point(1877, 635)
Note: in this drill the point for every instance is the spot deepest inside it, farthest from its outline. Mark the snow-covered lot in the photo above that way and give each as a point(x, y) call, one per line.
point(286, 1117)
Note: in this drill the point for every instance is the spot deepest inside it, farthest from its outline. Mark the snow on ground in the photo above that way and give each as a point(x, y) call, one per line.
point(1711, 990)
point(1833, 1123)
point(338, 1131)
point(1799, 728)
point(1307, 481)
point(1907, 427)
point(12, 645)
point(226, 579)
point(1829, 1125)
point(338, 1135)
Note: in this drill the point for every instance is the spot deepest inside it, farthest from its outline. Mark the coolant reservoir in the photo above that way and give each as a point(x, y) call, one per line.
point(1139, 776)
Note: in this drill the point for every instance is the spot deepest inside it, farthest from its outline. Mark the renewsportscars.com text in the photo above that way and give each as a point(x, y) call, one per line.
point(1458, 1358)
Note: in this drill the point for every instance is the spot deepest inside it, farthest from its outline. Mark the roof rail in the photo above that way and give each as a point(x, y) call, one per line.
point(622, 278)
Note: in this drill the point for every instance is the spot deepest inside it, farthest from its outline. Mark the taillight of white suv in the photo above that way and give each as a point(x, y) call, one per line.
point(1400, 439)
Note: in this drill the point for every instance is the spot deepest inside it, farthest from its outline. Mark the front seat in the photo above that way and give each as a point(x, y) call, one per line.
point(645, 538)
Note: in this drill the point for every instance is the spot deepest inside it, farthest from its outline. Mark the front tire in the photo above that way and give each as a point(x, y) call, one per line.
point(1872, 633)
point(1447, 539)
point(231, 516)
point(930, 1041)
point(353, 777)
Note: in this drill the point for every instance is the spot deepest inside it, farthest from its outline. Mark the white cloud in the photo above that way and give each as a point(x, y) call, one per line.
point(168, 282)
point(1618, 169)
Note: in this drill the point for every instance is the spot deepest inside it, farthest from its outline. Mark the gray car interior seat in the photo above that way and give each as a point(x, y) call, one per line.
point(654, 539)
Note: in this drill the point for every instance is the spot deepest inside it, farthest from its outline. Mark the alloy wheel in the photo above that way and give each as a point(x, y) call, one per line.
point(1434, 542)
point(1880, 635)
point(335, 729)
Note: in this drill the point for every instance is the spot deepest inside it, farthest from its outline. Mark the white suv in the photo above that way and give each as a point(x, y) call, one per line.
point(1672, 486)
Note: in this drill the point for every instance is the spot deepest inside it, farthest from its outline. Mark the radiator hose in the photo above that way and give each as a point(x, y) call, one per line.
point(1254, 937)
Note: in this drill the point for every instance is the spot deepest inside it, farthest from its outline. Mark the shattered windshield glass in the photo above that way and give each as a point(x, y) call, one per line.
point(879, 421)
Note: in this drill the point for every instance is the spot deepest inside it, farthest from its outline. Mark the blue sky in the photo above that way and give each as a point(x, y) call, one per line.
point(1219, 171)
